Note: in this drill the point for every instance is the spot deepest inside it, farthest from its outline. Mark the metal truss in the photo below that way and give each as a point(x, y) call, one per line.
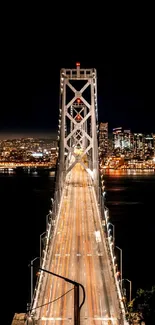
point(78, 121)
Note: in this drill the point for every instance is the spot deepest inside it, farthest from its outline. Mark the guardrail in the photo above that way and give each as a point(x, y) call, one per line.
point(104, 211)
point(47, 251)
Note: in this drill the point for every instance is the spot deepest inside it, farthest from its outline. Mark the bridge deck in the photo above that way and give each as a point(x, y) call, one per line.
point(80, 255)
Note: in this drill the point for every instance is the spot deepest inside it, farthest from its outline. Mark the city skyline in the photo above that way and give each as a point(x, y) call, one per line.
point(121, 149)
point(27, 134)
point(53, 134)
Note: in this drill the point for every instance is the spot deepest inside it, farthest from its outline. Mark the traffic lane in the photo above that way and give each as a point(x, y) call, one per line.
point(77, 230)
point(86, 245)
point(49, 282)
point(97, 261)
point(74, 271)
point(61, 234)
point(75, 181)
point(58, 247)
point(98, 256)
point(97, 276)
point(110, 282)
point(91, 247)
point(65, 237)
point(68, 299)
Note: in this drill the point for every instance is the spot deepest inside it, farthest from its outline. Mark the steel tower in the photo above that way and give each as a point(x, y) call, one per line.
point(78, 122)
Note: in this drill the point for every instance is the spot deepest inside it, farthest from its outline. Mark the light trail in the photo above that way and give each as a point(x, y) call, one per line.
point(77, 255)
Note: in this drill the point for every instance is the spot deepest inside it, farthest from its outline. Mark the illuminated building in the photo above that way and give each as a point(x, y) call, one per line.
point(28, 149)
point(117, 140)
point(153, 136)
point(126, 143)
point(148, 146)
point(138, 139)
point(103, 140)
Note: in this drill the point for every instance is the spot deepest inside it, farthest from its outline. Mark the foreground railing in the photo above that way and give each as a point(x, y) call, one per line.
point(104, 212)
point(48, 246)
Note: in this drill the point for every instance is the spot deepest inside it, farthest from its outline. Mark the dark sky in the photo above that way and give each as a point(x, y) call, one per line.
point(41, 49)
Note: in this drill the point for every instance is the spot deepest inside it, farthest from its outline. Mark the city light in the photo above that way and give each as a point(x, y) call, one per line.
point(125, 150)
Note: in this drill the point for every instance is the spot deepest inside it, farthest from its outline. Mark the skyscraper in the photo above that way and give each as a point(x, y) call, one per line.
point(103, 140)
point(126, 140)
point(148, 146)
point(138, 145)
point(117, 140)
point(153, 135)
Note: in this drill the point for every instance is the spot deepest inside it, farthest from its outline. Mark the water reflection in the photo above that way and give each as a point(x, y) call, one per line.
point(119, 173)
point(117, 189)
point(130, 199)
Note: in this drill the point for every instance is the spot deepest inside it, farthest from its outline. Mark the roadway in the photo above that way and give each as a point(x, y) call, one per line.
point(77, 254)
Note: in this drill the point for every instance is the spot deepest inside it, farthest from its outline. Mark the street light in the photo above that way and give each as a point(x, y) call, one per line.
point(31, 264)
point(77, 307)
point(130, 286)
point(50, 212)
point(52, 200)
point(41, 245)
point(106, 212)
point(111, 224)
point(120, 264)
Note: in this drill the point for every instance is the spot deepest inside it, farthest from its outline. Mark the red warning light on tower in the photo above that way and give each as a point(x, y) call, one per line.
point(77, 64)
point(78, 118)
point(78, 100)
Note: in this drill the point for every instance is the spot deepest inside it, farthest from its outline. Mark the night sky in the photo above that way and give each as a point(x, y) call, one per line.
point(41, 49)
point(35, 44)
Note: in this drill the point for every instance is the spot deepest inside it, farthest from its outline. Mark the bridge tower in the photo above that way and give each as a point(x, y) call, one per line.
point(78, 122)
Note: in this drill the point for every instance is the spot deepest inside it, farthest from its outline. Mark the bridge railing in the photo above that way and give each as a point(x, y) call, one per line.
point(104, 212)
point(44, 259)
point(51, 226)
